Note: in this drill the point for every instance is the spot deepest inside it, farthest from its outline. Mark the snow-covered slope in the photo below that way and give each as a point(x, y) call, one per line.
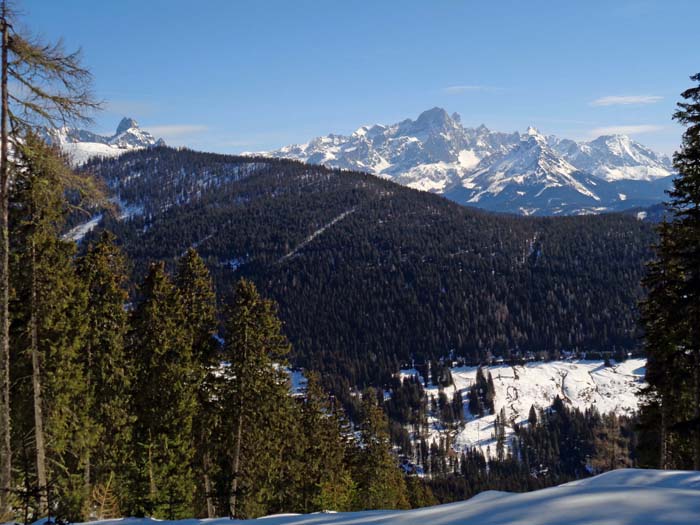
point(531, 177)
point(430, 153)
point(527, 174)
point(614, 157)
point(579, 384)
point(620, 497)
point(81, 145)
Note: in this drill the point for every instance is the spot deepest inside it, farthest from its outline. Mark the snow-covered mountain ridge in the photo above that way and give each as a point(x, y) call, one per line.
point(524, 173)
point(82, 145)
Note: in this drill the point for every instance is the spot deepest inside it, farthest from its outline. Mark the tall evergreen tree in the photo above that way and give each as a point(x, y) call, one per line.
point(196, 291)
point(48, 327)
point(671, 312)
point(325, 481)
point(380, 483)
point(164, 401)
point(107, 370)
point(259, 405)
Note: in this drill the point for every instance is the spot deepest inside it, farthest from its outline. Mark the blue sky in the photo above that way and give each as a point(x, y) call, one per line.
point(250, 75)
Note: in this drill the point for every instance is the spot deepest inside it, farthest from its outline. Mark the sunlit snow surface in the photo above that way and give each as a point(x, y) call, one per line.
point(622, 497)
point(580, 384)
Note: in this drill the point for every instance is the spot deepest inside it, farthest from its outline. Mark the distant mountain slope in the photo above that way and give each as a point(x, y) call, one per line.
point(509, 172)
point(82, 145)
point(369, 273)
point(614, 157)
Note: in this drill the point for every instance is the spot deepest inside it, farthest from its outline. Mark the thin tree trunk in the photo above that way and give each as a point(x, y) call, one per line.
point(5, 423)
point(152, 488)
point(236, 462)
point(662, 436)
point(206, 462)
point(239, 435)
point(86, 474)
point(696, 411)
point(36, 387)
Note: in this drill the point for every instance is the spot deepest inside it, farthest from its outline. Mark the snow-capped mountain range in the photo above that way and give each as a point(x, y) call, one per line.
point(81, 145)
point(526, 173)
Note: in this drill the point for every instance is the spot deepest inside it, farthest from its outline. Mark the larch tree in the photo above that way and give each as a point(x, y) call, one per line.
point(40, 85)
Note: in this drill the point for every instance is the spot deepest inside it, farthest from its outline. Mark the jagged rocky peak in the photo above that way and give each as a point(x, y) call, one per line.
point(435, 117)
point(126, 124)
point(82, 145)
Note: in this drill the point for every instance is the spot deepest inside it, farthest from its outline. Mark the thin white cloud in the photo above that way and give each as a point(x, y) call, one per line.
point(625, 130)
point(627, 100)
point(464, 88)
point(176, 130)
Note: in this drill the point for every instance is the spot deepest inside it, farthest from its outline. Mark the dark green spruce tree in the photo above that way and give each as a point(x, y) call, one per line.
point(671, 313)
point(325, 479)
point(107, 371)
point(164, 401)
point(380, 483)
point(260, 414)
point(196, 291)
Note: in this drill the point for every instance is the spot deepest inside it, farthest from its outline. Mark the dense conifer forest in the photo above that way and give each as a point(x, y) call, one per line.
point(369, 275)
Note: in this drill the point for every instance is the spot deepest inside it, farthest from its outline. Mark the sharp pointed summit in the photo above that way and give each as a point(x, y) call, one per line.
point(125, 124)
point(82, 145)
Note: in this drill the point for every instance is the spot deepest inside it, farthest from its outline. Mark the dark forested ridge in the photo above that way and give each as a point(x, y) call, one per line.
point(369, 274)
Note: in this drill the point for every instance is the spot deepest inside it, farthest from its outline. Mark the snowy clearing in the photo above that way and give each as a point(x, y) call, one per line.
point(580, 384)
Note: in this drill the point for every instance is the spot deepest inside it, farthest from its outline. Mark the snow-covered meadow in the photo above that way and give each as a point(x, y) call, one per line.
point(580, 384)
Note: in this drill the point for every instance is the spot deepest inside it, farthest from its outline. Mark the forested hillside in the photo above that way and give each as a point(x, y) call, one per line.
point(369, 274)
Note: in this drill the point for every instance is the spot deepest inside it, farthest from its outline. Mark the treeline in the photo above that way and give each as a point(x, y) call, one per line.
point(133, 405)
point(402, 274)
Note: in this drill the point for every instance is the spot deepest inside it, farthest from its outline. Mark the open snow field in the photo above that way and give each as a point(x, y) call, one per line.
point(580, 384)
point(621, 497)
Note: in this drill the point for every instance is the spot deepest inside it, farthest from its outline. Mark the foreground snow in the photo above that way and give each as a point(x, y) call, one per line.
point(629, 497)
